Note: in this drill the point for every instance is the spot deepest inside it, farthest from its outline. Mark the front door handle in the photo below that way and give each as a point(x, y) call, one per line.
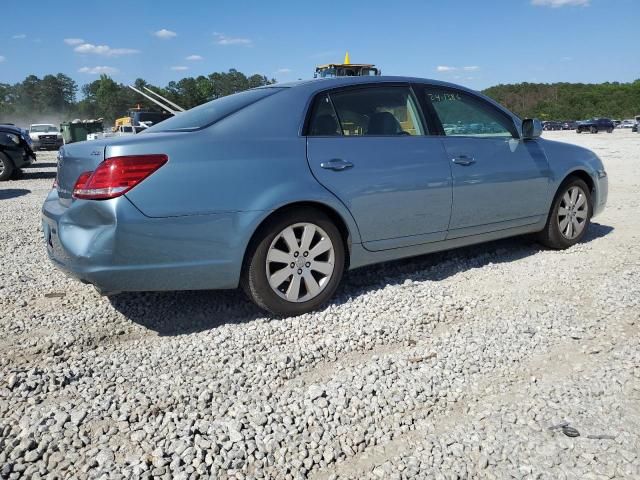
point(464, 160)
point(336, 164)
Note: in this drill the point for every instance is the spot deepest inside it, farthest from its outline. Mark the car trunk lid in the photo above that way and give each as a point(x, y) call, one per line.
point(73, 160)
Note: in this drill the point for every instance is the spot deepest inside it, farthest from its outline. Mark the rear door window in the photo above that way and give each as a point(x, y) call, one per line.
point(324, 122)
point(368, 111)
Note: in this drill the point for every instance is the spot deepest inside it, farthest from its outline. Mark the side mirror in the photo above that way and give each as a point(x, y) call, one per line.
point(531, 128)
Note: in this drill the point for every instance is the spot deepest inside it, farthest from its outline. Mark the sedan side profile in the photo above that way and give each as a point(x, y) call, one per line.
point(279, 189)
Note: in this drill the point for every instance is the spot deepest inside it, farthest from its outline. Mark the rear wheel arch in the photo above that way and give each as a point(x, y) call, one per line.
point(330, 212)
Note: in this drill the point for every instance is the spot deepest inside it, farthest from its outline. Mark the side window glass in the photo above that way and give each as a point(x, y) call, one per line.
point(464, 115)
point(386, 111)
point(323, 119)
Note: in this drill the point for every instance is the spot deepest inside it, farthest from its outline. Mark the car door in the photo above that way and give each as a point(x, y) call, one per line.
point(499, 180)
point(368, 145)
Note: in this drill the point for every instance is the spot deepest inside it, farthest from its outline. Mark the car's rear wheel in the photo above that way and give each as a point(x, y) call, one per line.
point(295, 262)
point(578, 130)
point(570, 215)
point(6, 167)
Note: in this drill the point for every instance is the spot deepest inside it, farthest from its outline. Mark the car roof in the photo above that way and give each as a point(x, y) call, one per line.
point(327, 83)
point(9, 127)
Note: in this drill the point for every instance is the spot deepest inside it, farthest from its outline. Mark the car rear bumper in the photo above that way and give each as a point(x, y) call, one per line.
point(113, 246)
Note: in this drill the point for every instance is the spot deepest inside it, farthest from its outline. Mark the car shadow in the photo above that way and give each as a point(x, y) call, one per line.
point(29, 175)
point(184, 312)
point(7, 193)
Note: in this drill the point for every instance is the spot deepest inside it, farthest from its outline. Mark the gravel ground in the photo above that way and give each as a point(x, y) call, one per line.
point(476, 363)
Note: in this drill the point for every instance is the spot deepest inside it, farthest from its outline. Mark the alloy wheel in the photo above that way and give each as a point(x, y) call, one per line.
point(573, 212)
point(300, 262)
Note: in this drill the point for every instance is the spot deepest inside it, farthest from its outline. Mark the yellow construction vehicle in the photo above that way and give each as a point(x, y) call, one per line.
point(346, 69)
point(121, 122)
point(137, 117)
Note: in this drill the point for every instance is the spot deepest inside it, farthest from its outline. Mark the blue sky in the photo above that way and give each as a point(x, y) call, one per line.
point(477, 43)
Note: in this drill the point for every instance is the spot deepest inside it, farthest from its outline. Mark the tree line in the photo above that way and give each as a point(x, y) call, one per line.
point(569, 101)
point(54, 98)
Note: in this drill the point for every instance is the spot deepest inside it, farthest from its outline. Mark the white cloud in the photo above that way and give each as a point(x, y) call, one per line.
point(283, 71)
point(560, 3)
point(2, 59)
point(165, 34)
point(194, 58)
point(447, 68)
point(179, 68)
point(99, 70)
point(19, 36)
point(106, 50)
point(222, 39)
point(73, 41)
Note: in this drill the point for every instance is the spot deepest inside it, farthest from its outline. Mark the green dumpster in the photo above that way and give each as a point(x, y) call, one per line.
point(77, 131)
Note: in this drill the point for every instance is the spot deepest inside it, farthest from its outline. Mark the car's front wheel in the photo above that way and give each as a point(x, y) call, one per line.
point(570, 215)
point(6, 167)
point(295, 262)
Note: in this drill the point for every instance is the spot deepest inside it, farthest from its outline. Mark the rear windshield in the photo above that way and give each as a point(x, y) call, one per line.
point(208, 113)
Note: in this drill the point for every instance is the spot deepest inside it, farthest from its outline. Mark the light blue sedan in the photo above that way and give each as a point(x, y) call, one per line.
point(281, 188)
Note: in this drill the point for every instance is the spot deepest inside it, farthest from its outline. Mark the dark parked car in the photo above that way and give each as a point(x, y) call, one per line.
point(569, 125)
point(15, 151)
point(552, 126)
point(595, 125)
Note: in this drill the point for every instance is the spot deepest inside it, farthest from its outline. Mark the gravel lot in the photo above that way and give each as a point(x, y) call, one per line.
point(452, 365)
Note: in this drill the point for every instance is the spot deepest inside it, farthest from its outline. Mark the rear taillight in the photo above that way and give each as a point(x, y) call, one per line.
point(82, 179)
point(116, 176)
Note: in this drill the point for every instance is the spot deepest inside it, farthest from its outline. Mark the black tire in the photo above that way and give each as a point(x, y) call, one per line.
point(6, 167)
point(254, 279)
point(609, 130)
point(551, 236)
point(578, 130)
point(593, 129)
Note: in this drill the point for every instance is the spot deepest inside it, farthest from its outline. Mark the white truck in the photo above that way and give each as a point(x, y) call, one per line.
point(46, 136)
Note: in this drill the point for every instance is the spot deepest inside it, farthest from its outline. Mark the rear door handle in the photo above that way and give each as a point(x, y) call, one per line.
point(336, 164)
point(464, 160)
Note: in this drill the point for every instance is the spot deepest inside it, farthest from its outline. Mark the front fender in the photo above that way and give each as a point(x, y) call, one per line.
point(566, 159)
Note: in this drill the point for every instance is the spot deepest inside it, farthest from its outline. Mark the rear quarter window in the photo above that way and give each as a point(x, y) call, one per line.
point(208, 113)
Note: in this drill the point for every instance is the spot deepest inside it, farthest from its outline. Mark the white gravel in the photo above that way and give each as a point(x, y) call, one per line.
point(452, 365)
